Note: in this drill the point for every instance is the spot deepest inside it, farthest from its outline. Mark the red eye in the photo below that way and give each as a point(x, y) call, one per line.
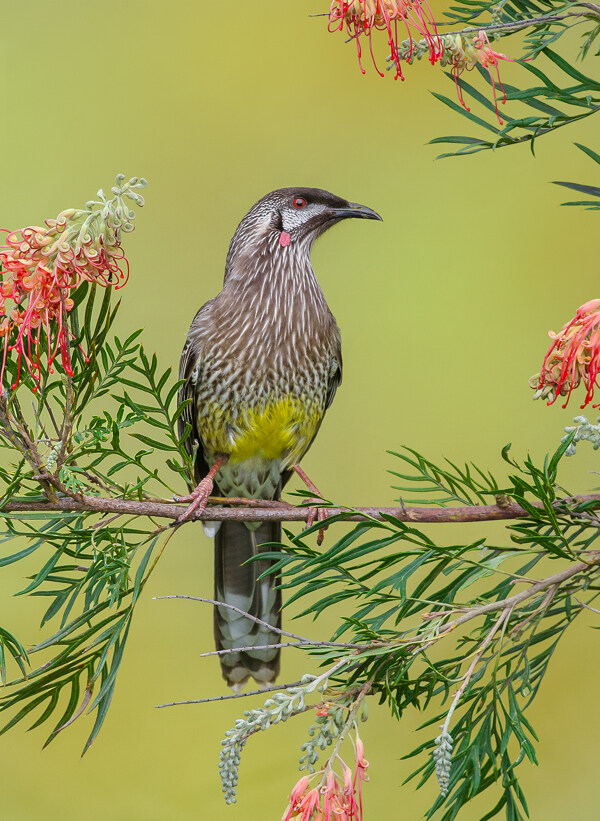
point(299, 203)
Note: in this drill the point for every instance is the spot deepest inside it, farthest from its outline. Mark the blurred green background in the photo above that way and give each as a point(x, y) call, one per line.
point(444, 310)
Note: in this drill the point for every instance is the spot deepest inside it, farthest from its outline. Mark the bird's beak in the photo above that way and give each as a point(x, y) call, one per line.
point(353, 209)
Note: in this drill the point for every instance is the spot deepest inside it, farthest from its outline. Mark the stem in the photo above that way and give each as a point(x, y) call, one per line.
point(349, 724)
point(517, 25)
point(512, 601)
point(281, 645)
point(314, 684)
point(299, 639)
point(469, 674)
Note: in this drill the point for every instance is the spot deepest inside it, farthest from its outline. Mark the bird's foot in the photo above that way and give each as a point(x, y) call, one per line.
point(315, 514)
point(199, 497)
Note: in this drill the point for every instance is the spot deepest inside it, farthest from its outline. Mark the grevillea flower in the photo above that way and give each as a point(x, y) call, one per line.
point(460, 55)
point(360, 774)
point(489, 59)
point(362, 17)
point(40, 267)
point(334, 798)
point(573, 357)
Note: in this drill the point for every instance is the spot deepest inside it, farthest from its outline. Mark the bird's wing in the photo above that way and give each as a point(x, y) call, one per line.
point(335, 372)
point(190, 370)
point(334, 380)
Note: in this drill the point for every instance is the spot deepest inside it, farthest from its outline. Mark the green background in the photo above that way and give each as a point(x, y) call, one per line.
point(444, 309)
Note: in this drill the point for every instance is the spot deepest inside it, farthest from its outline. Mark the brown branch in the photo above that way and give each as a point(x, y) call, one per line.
point(512, 601)
point(14, 429)
point(283, 512)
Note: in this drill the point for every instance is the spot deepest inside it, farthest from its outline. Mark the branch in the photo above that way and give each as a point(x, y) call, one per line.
point(512, 601)
point(591, 10)
point(517, 25)
point(282, 512)
point(231, 695)
point(476, 659)
point(314, 683)
point(278, 646)
point(299, 639)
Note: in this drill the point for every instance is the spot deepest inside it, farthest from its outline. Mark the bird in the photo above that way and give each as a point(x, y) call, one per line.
point(260, 367)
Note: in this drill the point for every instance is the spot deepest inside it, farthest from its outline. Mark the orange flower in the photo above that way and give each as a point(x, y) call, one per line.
point(573, 357)
point(41, 266)
point(335, 797)
point(489, 59)
point(362, 17)
point(362, 766)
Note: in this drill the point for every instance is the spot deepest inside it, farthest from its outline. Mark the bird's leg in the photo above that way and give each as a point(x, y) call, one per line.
point(318, 514)
point(201, 493)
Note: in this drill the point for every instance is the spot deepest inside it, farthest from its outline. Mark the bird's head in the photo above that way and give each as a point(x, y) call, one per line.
point(289, 220)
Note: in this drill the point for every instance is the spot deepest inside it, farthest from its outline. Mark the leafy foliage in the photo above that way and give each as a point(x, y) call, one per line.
point(577, 100)
point(84, 438)
point(450, 629)
point(590, 190)
point(558, 94)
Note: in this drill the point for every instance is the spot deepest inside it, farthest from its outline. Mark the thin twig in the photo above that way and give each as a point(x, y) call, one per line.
point(299, 639)
point(587, 606)
point(508, 27)
point(104, 522)
point(80, 709)
point(348, 724)
point(518, 25)
point(280, 645)
point(232, 695)
point(314, 683)
point(540, 609)
point(477, 658)
point(14, 429)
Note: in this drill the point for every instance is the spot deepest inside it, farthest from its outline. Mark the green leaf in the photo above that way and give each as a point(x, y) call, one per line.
point(465, 113)
point(592, 154)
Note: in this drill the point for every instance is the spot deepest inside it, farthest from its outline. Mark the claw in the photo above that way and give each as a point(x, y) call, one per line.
point(318, 514)
point(200, 495)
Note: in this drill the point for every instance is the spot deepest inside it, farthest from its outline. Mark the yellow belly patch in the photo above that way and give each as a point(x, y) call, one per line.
point(276, 430)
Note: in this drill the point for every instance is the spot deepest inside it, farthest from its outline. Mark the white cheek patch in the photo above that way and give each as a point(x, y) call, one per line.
point(292, 218)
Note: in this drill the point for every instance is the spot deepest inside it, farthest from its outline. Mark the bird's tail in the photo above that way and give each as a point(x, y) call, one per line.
point(238, 584)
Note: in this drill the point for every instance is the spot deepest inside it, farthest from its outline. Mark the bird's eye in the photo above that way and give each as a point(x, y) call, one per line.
point(299, 203)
